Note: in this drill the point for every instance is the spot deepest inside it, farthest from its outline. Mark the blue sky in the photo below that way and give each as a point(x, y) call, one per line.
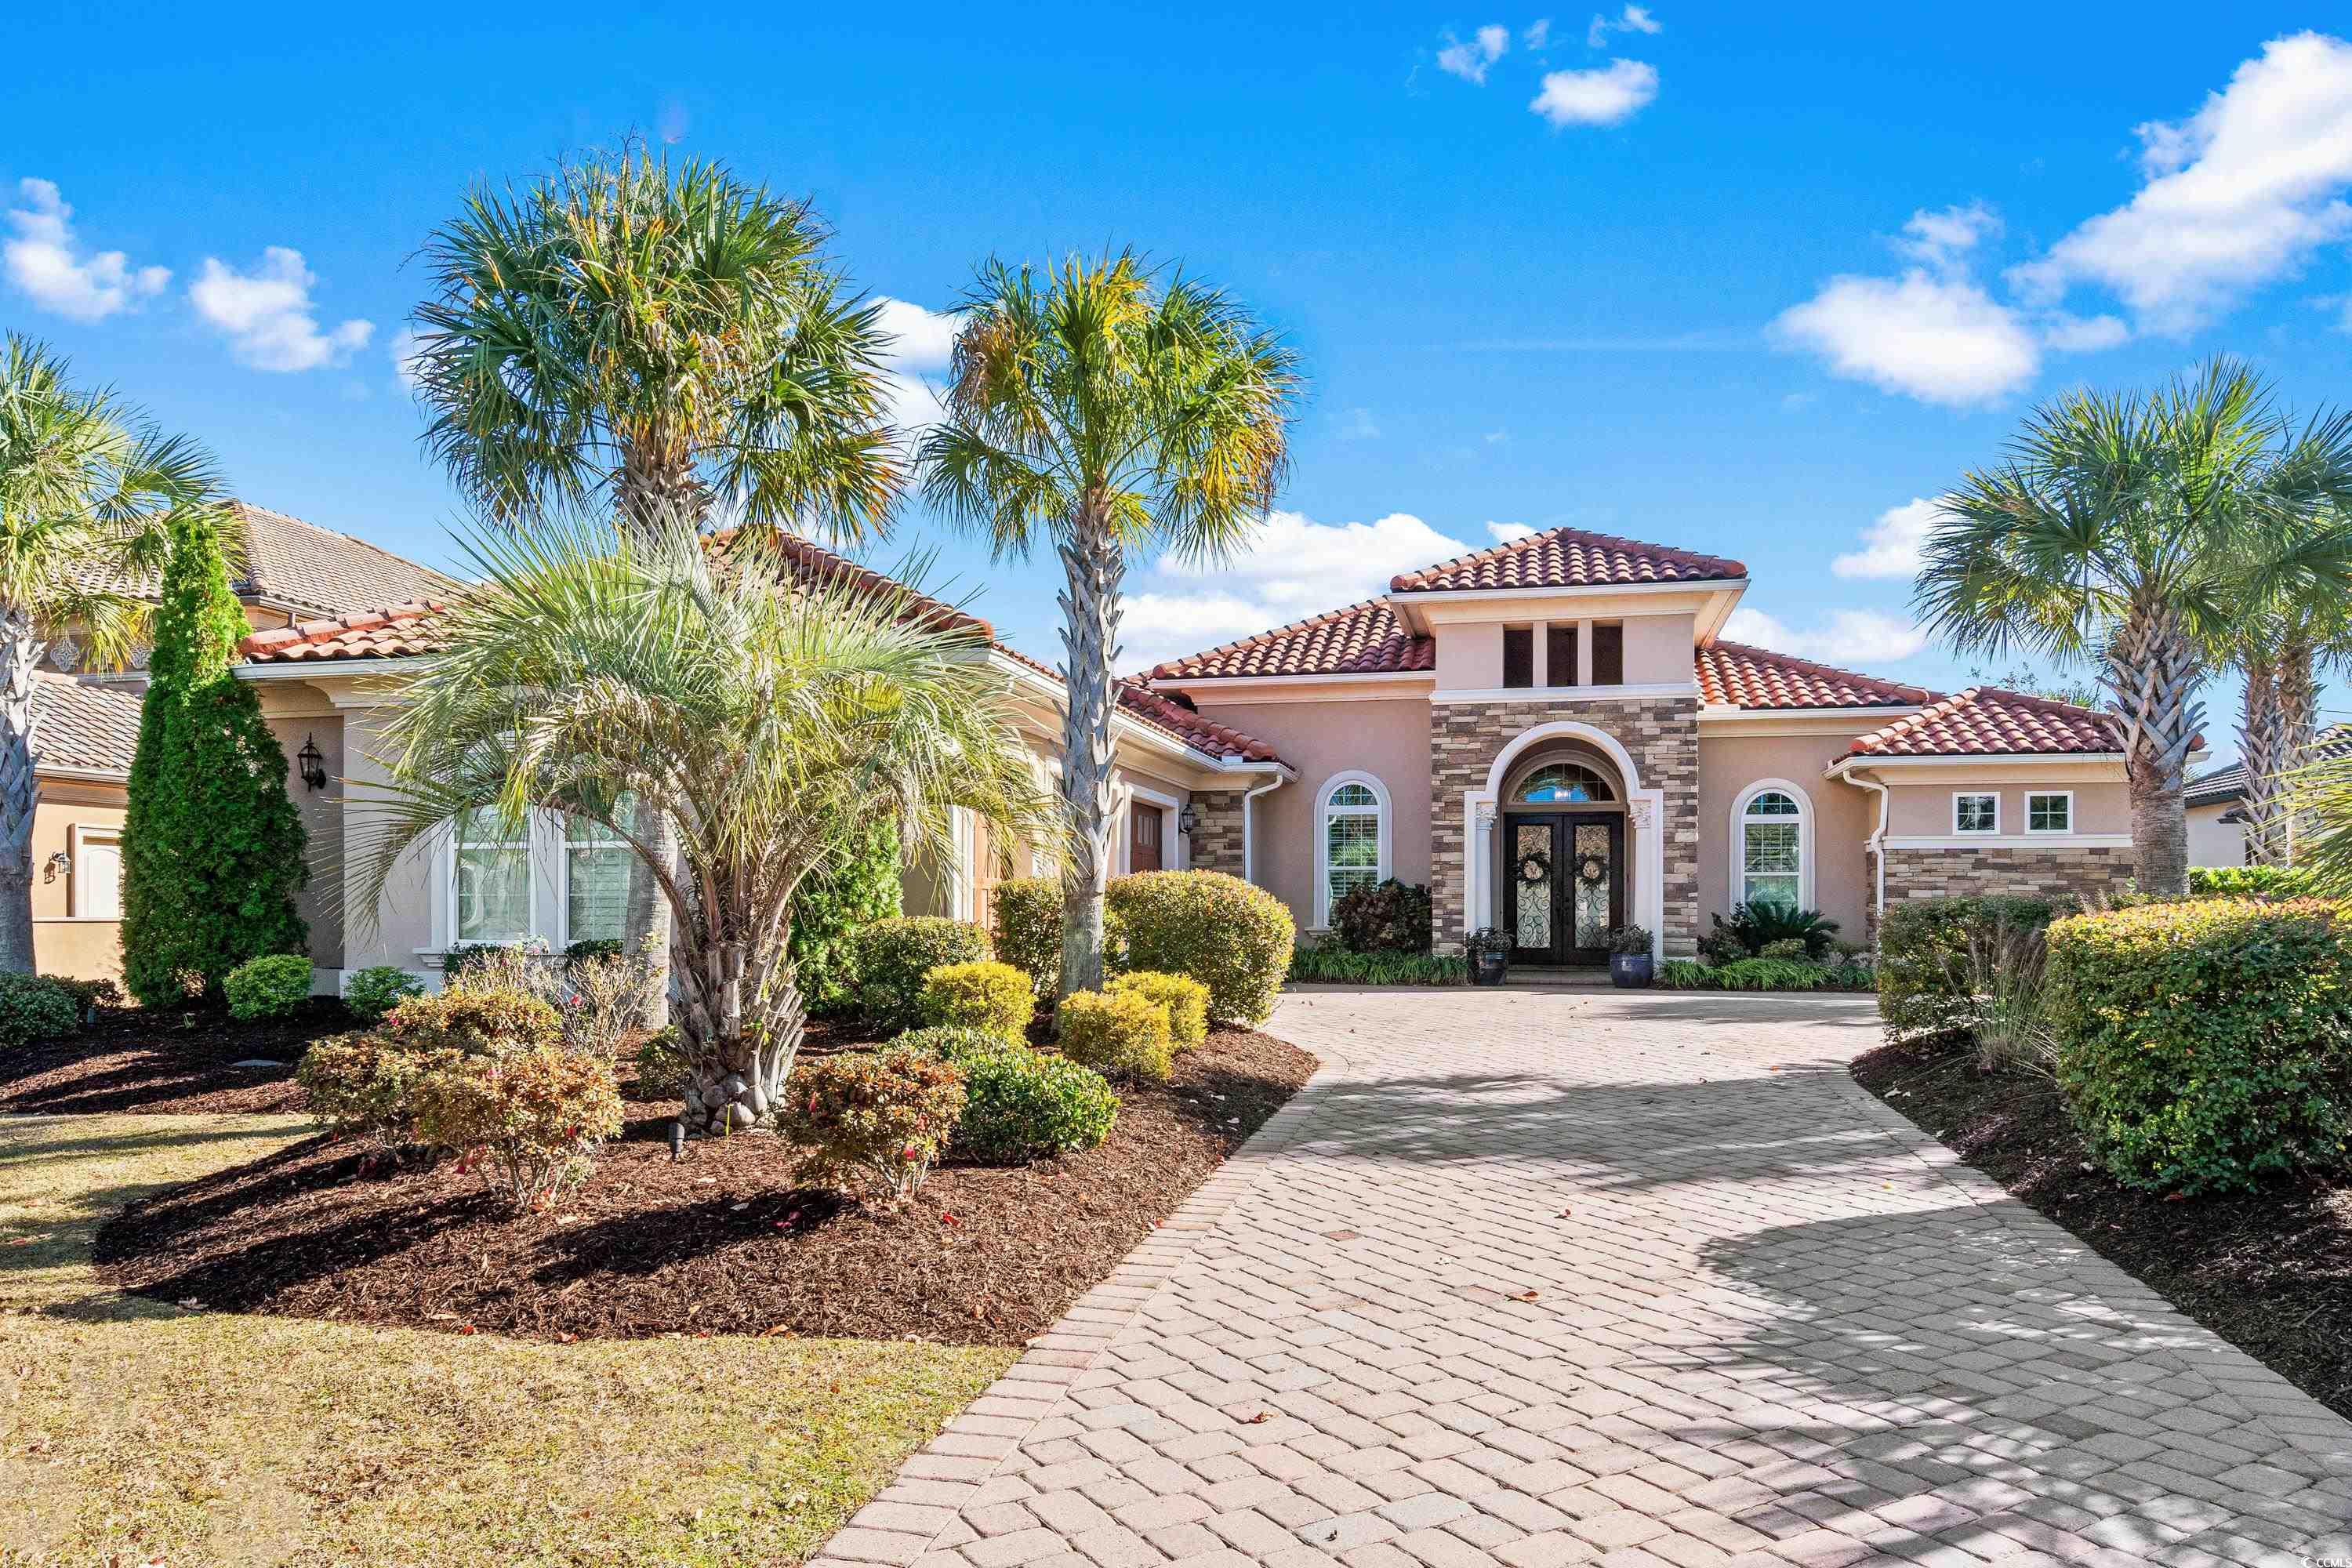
point(1732, 278)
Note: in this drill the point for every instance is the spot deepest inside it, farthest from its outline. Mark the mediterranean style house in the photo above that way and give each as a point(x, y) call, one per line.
point(1551, 734)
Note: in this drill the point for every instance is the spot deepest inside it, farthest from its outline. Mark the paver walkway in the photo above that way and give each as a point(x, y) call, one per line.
point(1636, 1279)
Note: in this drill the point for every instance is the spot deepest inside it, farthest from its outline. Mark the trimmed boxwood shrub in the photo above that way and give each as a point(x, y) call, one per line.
point(270, 987)
point(1923, 957)
point(1232, 937)
point(1186, 999)
point(873, 1118)
point(1121, 1035)
point(372, 992)
point(990, 996)
point(35, 1007)
point(892, 956)
point(1022, 1105)
point(2203, 1045)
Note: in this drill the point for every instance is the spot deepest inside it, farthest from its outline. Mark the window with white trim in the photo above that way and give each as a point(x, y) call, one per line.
point(597, 867)
point(2052, 813)
point(1975, 813)
point(1354, 842)
point(1772, 849)
point(493, 878)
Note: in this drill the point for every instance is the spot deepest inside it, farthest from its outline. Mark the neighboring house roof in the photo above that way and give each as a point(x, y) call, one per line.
point(304, 567)
point(395, 631)
point(1362, 640)
point(1986, 721)
point(1735, 675)
point(1566, 558)
point(2223, 785)
point(90, 729)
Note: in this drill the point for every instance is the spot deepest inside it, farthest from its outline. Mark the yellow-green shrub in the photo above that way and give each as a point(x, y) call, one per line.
point(1232, 937)
point(1186, 999)
point(1121, 1035)
point(892, 956)
point(987, 996)
point(537, 1116)
point(481, 1023)
point(1026, 912)
point(360, 1085)
point(2203, 1045)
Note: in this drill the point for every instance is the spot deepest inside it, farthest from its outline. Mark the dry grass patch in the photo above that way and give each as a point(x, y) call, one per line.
point(133, 1430)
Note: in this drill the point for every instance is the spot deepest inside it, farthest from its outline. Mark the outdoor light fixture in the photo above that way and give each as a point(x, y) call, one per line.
point(1187, 820)
point(311, 763)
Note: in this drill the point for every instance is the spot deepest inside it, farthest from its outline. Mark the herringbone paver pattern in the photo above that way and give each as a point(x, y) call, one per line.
point(1639, 1280)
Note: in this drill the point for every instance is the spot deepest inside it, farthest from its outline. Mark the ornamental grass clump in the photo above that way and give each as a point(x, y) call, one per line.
point(2202, 1047)
point(1120, 1035)
point(1185, 998)
point(534, 1118)
point(874, 1120)
point(995, 998)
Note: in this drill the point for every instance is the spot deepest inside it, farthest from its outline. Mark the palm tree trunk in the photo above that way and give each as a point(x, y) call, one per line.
point(2261, 731)
point(2298, 722)
point(1093, 565)
point(650, 495)
point(20, 655)
point(2151, 670)
point(739, 1063)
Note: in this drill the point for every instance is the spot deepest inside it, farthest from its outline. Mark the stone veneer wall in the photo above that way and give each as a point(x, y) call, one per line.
point(1661, 734)
point(2036, 873)
point(1217, 835)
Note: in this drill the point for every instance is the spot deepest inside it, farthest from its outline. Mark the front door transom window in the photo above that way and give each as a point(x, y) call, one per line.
point(1563, 784)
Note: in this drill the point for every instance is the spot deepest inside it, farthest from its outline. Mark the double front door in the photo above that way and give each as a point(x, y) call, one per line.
point(1563, 885)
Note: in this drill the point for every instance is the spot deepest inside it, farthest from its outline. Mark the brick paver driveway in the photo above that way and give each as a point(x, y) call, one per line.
point(1561, 1278)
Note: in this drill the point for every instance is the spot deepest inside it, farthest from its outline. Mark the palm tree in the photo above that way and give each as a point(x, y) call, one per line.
point(756, 713)
point(1094, 409)
point(89, 491)
point(2285, 620)
point(2114, 531)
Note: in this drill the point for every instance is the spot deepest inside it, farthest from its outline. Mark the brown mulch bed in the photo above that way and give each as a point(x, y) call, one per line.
point(725, 1242)
point(151, 1062)
point(2269, 1270)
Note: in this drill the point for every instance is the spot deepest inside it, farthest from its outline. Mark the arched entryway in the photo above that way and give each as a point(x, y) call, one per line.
point(1565, 837)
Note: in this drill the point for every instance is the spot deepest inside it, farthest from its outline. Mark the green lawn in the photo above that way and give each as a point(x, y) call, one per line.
point(131, 1430)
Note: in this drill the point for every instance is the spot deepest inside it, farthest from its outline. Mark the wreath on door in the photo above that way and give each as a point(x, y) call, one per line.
point(1592, 870)
point(1534, 867)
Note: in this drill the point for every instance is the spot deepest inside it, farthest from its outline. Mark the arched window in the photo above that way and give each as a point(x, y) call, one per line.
point(1351, 846)
point(1565, 782)
point(1772, 848)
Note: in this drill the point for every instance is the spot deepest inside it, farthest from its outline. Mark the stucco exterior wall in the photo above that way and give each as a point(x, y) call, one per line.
point(1923, 807)
point(395, 929)
point(76, 948)
point(1840, 817)
point(320, 902)
point(1658, 649)
point(1469, 658)
point(2213, 842)
point(1385, 737)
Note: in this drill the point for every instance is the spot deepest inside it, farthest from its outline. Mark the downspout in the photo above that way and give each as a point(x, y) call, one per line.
point(1876, 845)
point(1249, 828)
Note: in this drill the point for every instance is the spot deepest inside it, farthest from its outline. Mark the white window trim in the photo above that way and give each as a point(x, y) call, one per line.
point(1382, 817)
point(1739, 857)
point(2065, 795)
point(77, 883)
point(1173, 855)
point(1960, 794)
point(564, 845)
point(544, 921)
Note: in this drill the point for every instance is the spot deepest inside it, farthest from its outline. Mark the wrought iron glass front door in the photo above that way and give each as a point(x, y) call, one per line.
point(1564, 887)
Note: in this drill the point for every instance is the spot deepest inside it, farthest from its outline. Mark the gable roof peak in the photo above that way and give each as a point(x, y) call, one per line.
point(1567, 558)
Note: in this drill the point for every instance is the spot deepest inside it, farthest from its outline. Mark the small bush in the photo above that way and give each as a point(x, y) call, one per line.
point(1389, 916)
point(1685, 974)
point(1334, 964)
point(372, 992)
point(949, 1042)
point(89, 995)
point(1230, 936)
point(606, 993)
point(664, 1068)
point(501, 965)
point(995, 998)
point(535, 1117)
point(2201, 1045)
point(360, 1085)
point(268, 987)
point(893, 955)
point(1121, 1035)
point(1771, 974)
point(1788, 947)
point(35, 1007)
point(478, 1022)
point(1751, 927)
point(1024, 1105)
point(1028, 914)
point(1186, 999)
point(1923, 956)
point(2252, 882)
point(874, 1119)
point(591, 947)
point(1852, 975)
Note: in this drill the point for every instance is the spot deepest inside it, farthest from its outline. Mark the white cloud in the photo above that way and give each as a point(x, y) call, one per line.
point(1632, 19)
point(1939, 339)
point(1538, 35)
point(920, 339)
point(1504, 532)
point(1848, 637)
point(1942, 241)
point(2083, 334)
point(1360, 426)
point(1891, 546)
point(268, 316)
point(44, 262)
point(1468, 58)
point(1610, 96)
point(2239, 195)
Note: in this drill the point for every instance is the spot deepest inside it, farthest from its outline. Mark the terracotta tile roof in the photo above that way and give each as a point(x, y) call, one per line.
point(1165, 714)
point(1744, 677)
point(1362, 640)
point(2229, 784)
point(1986, 721)
point(1566, 558)
point(395, 631)
point(823, 565)
point(83, 726)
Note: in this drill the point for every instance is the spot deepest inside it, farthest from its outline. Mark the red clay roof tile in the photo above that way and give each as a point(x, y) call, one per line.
point(1567, 558)
point(1743, 677)
point(1362, 640)
point(1986, 721)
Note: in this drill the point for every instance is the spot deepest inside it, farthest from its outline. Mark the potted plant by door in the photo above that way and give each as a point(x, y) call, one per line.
point(1629, 957)
point(1490, 956)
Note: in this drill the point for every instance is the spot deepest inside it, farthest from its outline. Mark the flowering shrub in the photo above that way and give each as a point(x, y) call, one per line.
point(478, 1022)
point(268, 987)
point(536, 1116)
point(873, 1118)
point(360, 1085)
point(1121, 1035)
point(991, 996)
point(892, 956)
point(1023, 1105)
point(1185, 998)
point(372, 992)
point(2202, 1045)
point(606, 994)
point(1230, 936)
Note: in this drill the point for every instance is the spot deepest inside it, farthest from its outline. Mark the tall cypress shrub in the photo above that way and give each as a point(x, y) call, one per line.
point(860, 887)
point(212, 845)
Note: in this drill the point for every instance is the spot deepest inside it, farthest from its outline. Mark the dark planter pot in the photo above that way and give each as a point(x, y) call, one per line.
point(1489, 968)
point(1629, 970)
